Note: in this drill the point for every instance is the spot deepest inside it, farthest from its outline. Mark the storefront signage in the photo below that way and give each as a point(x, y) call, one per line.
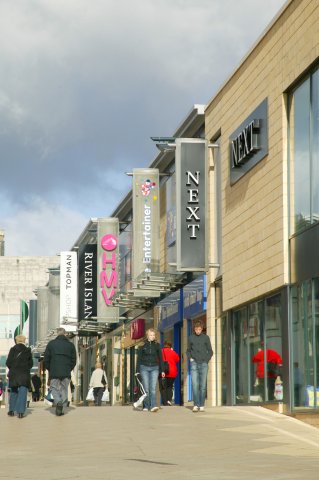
point(107, 269)
point(87, 282)
point(191, 178)
point(68, 288)
point(145, 221)
point(246, 143)
point(249, 142)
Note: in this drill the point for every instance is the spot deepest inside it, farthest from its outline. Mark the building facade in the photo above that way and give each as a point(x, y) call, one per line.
point(263, 280)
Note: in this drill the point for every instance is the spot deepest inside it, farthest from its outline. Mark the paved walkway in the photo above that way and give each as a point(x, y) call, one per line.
point(115, 443)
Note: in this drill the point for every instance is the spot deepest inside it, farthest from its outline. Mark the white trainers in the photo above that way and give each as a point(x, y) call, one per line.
point(154, 409)
point(145, 409)
point(201, 409)
point(195, 409)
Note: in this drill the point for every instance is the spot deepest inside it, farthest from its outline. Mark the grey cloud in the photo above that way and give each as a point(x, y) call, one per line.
point(85, 84)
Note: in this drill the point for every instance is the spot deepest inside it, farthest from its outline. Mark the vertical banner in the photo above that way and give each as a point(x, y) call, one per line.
point(87, 282)
point(68, 288)
point(191, 216)
point(107, 268)
point(146, 221)
point(33, 322)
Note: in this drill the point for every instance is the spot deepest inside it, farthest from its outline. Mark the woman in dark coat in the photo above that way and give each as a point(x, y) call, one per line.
point(19, 363)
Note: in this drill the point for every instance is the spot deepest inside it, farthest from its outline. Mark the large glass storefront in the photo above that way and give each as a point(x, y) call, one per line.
point(303, 103)
point(305, 343)
point(257, 346)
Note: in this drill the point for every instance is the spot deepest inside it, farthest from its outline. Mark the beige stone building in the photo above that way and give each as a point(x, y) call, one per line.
point(19, 277)
point(262, 288)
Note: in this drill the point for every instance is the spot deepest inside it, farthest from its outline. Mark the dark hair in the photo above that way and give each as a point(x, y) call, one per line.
point(167, 344)
point(198, 323)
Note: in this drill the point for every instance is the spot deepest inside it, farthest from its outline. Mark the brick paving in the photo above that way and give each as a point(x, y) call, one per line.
point(113, 443)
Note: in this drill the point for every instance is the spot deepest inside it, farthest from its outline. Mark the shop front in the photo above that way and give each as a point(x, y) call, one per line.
point(178, 311)
point(265, 217)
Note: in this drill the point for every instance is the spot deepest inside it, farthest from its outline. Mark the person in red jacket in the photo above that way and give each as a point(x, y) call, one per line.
point(167, 383)
point(273, 361)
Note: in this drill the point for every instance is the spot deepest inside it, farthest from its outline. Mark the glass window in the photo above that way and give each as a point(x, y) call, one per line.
point(315, 145)
point(257, 350)
point(302, 307)
point(241, 356)
point(303, 154)
point(256, 336)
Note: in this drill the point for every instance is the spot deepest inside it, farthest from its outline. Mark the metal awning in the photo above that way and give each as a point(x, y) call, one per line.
point(159, 282)
point(128, 300)
point(145, 288)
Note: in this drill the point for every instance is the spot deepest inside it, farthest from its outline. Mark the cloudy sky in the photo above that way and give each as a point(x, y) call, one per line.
point(84, 84)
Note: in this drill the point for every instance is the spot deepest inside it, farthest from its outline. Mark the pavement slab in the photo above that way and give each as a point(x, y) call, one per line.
point(115, 443)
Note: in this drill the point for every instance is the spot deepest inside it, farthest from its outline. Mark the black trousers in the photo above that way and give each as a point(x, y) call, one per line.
point(166, 388)
point(98, 394)
point(36, 396)
point(270, 388)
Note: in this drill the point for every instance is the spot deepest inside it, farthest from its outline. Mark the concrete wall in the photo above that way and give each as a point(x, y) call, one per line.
point(19, 276)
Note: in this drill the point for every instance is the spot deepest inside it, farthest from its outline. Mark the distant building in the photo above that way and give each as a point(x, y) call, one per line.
point(19, 277)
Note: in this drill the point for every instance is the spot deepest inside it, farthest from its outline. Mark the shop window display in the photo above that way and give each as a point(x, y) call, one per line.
point(257, 350)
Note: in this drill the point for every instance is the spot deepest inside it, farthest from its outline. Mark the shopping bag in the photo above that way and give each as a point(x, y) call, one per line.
point(106, 396)
point(90, 395)
point(49, 396)
point(141, 392)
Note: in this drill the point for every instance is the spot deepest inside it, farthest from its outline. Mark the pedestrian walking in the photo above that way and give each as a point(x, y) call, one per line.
point(36, 384)
point(149, 365)
point(19, 363)
point(167, 383)
point(59, 360)
point(98, 383)
point(199, 352)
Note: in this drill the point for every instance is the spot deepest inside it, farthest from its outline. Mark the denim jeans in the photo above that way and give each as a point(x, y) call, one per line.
point(199, 382)
point(149, 379)
point(18, 399)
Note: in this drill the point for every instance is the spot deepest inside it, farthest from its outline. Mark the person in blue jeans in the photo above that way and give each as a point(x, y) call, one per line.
point(149, 365)
point(19, 363)
point(199, 352)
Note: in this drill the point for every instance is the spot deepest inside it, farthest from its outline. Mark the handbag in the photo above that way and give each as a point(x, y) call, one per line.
point(48, 397)
point(90, 395)
point(106, 396)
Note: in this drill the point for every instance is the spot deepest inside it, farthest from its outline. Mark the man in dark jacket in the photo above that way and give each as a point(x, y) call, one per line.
point(199, 352)
point(59, 360)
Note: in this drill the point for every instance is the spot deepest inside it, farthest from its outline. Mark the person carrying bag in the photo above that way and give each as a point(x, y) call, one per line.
point(98, 383)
